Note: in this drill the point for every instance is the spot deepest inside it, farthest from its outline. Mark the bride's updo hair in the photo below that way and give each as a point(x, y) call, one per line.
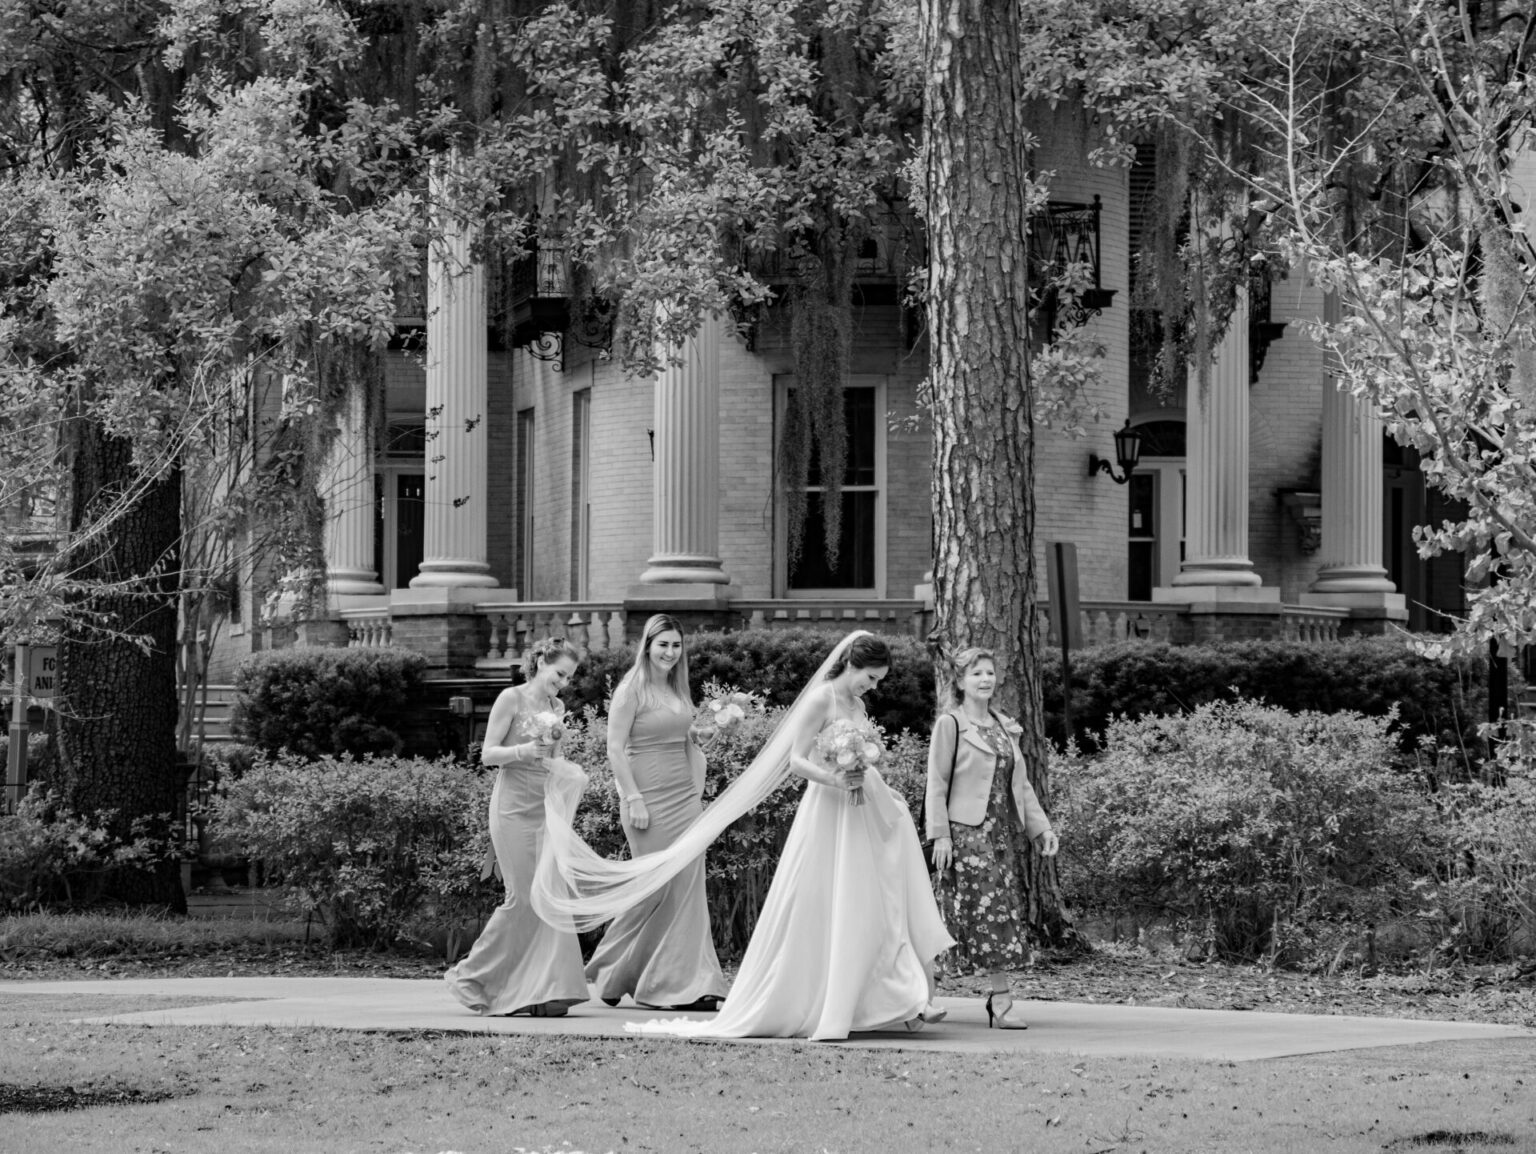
point(959, 666)
point(550, 650)
point(867, 652)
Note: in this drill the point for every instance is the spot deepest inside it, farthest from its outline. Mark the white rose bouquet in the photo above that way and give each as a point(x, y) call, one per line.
point(723, 712)
point(545, 727)
point(851, 747)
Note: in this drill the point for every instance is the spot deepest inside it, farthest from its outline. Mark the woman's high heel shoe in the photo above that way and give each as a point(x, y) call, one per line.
point(999, 1017)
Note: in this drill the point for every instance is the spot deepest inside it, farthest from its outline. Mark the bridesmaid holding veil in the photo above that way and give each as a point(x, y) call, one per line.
point(849, 931)
point(660, 951)
point(522, 963)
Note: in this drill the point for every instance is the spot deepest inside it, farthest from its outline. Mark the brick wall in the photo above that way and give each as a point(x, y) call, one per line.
point(1070, 505)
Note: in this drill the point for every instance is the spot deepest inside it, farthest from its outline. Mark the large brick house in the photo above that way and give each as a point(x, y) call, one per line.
point(534, 487)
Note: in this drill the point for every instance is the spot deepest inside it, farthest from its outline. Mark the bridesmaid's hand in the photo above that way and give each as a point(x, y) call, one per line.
point(943, 853)
point(1047, 843)
point(542, 749)
point(639, 816)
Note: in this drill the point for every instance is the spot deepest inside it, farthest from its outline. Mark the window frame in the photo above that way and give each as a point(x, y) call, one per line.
point(880, 384)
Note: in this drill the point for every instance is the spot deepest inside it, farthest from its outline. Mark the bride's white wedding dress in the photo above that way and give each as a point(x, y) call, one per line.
point(848, 928)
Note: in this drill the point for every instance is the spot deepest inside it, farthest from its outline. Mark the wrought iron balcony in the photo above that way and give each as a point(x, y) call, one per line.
point(539, 292)
point(1062, 238)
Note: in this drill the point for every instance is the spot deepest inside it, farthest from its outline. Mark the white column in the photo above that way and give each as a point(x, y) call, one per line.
point(348, 488)
point(457, 489)
point(686, 534)
point(1216, 535)
point(1352, 573)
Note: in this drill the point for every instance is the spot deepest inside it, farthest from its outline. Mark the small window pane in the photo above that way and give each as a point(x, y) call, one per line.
point(859, 419)
point(856, 558)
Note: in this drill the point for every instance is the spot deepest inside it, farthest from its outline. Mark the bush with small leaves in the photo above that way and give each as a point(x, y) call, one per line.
point(1482, 899)
point(51, 855)
point(367, 845)
point(1253, 823)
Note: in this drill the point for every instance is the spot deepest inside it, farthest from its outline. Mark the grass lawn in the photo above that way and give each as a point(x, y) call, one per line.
point(235, 1090)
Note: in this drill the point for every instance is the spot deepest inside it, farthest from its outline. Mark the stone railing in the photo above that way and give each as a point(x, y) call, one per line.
point(516, 625)
point(1312, 622)
point(367, 628)
point(1105, 622)
point(847, 613)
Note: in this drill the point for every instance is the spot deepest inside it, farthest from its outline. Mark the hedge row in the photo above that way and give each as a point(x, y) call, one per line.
point(331, 701)
point(1439, 702)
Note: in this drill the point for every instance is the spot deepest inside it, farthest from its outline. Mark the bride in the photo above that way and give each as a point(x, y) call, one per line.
point(849, 932)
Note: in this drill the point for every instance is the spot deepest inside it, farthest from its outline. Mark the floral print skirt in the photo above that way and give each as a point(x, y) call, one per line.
point(979, 894)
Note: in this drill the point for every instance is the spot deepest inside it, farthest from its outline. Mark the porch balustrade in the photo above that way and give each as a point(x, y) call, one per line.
point(1106, 622)
point(891, 617)
point(1312, 622)
point(515, 626)
point(367, 628)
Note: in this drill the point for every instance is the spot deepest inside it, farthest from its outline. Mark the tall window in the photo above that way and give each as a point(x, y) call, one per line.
point(523, 499)
point(581, 502)
point(860, 565)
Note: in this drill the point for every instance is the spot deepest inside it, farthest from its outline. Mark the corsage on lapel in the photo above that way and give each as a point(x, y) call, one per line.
point(1011, 727)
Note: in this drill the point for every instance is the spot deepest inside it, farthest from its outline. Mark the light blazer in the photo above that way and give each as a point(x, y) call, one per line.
point(962, 797)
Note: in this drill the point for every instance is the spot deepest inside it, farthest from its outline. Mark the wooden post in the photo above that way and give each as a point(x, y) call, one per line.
point(1061, 588)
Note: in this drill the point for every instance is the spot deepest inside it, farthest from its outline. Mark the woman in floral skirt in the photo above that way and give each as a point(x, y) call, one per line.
point(979, 801)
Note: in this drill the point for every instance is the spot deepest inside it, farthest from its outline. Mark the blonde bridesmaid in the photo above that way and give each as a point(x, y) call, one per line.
point(660, 952)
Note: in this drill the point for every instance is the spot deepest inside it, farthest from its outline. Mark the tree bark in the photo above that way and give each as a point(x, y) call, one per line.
point(117, 661)
point(975, 159)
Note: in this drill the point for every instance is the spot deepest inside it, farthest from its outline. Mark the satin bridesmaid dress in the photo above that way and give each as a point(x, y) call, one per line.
point(661, 952)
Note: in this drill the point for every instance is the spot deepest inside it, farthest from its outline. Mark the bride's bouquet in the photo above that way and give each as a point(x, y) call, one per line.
point(850, 747)
point(722, 712)
point(545, 727)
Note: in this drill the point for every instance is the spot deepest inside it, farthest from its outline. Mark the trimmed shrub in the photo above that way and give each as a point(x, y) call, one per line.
point(1255, 824)
point(365, 845)
point(775, 664)
point(319, 702)
point(1440, 703)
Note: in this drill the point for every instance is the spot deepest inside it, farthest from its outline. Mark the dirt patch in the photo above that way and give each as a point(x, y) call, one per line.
point(42, 1099)
point(1449, 1141)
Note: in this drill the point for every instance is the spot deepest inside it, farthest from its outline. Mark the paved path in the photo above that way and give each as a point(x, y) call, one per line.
point(1055, 1027)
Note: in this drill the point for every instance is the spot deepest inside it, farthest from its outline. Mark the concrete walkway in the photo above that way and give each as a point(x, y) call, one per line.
point(1055, 1027)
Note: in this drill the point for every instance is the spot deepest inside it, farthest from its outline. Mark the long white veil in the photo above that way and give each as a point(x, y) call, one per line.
point(574, 884)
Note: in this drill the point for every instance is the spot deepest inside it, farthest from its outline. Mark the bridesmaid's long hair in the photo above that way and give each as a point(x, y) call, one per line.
point(952, 695)
point(639, 681)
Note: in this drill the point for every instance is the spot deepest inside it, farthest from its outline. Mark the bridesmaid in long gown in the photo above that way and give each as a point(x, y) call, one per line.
point(660, 952)
point(849, 932)
point(522, 964)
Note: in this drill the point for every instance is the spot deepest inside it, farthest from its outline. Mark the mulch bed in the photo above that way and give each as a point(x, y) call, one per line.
point(1502, 994)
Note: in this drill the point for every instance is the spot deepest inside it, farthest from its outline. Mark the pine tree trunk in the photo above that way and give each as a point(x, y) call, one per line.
point(117, 667)
point(975, 153)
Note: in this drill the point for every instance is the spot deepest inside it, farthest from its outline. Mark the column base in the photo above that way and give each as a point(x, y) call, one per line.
point(352, 583)
point(454, 575)
point(684, 571)
point(1216, 573)
point(1349, 580)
